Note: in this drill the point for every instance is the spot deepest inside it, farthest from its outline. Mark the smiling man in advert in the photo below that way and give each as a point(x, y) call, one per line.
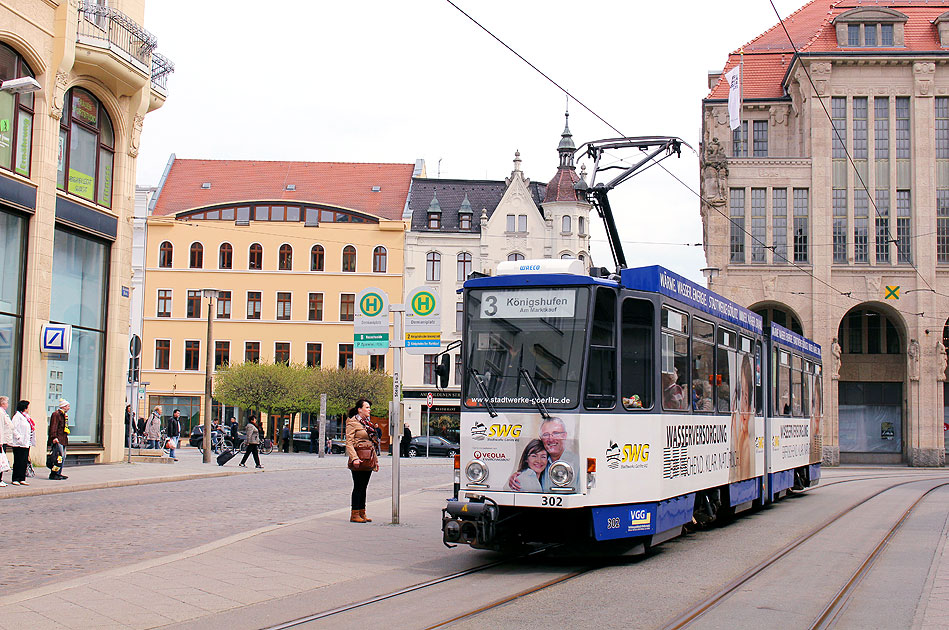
point(553, 435)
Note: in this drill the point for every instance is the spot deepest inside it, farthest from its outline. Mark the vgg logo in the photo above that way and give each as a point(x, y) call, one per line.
point(504, 430)
point(635, 453)
point(775, 441)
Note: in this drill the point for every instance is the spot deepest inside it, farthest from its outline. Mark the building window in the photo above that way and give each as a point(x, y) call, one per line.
point(317, 258)
point(511, 223)
point(346, 356)
point(760, 138)
point(85, 169)
point(347, 307)
point(801, 212)
point(251, 352)
point(581, 226)
point(759, 221)
point(904, 252)
point(565, 224)
point(515, 256)
point(162, 354)
point(853, 34)
point(225, 256)
point(736, 206)
point(196, 260)
point(315, 307)
point(222, 353)
point(942, 225)
point(379, 259)
point(224, 305)
point(458, 369)
point(566, 256)
point(253, 305)
point(164, 303)
point(314, 354)
point(17, 111)
point(431, 360)
point(740, 140)
point(840, 225)
point(192, 355)
point(433, 267)
point(861, 206)
point(860, 128)
point(193, 305)
point(464, 266)
point(869, 34)
point(882, 225)
point(838, 113)
point(285, 258)
point(255, 257)
point(377, 362)
point(281, 352)
point(779, 225)
point(165, 255)
point(349, 258)
point(434, 220)
point(886, 34)
point(464, 221)
point(868, 332)
point(902, 128)
point(459, 316)
point(522, 223)
point(283, 305)
point(881, 128)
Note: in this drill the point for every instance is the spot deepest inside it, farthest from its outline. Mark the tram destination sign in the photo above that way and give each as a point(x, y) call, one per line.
point(528, 303)
point(371, 322)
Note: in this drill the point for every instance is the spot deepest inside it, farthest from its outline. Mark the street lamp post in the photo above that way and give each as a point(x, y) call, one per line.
point(208, 372)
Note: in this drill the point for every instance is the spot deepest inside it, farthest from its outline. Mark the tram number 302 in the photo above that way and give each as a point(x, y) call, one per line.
point(551, 501)
point(612, 523)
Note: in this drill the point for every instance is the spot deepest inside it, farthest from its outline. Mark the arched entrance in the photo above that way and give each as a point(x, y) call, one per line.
point(872, 383)
point(780, 314)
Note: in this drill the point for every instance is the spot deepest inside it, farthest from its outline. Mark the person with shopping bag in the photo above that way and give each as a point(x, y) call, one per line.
point(58, 440)
point(6, 437)
point(24, 436)
point(361, 448)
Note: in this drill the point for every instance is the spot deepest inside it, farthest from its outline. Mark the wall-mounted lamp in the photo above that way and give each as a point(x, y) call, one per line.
point(21, 85)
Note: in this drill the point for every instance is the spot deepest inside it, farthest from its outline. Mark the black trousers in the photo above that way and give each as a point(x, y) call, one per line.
point(360, 483)
point(21, 457)
point(251, 448)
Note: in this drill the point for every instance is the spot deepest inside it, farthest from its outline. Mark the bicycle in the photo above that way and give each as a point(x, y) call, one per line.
point(264, 448)
point(219, 444)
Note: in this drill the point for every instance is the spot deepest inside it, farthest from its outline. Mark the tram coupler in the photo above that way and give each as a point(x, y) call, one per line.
point(470, 521)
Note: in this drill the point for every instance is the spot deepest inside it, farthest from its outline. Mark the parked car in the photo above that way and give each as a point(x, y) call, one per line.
point(301, 443)
point(437, 445)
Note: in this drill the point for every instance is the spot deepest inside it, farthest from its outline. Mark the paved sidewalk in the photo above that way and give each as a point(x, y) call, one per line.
point(188, 466)
point(933, 611)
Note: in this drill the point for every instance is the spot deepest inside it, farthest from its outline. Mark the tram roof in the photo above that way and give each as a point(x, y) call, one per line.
point(657, 279)
point(533, 280)
point(785, 337)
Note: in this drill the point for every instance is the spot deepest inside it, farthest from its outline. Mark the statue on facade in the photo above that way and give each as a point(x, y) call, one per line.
point(913, 354)
point(715, 174)
point(942, 360)
point(835, 365)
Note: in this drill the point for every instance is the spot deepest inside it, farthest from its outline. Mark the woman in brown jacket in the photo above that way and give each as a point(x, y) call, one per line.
point(359, 428)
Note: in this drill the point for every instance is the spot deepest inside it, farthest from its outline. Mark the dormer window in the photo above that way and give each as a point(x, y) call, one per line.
point(434, 220)
point(464, 221)
point(870, 28)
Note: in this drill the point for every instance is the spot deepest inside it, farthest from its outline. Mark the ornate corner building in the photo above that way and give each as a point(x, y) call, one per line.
point(79, 79)
point(827, 211)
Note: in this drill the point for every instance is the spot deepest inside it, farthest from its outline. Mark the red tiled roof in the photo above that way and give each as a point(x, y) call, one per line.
point(560, 188)
point(343, 184)
point(766, 57)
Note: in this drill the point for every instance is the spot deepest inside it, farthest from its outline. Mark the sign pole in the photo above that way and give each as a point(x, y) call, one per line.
point(428, 429)
point(321, 448)
point(395, 412)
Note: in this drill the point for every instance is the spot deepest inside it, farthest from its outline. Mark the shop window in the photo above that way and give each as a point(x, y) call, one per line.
point(225, 256)
point(285, 258)
point(255, 257)
point(16, 114)
point(349, 258)
point(165, 255)
point(196, 257)
point(85, 168)
point(317, 258)
point(379, 260)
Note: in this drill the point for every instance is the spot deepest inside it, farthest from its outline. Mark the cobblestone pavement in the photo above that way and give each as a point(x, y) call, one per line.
point(76, 533)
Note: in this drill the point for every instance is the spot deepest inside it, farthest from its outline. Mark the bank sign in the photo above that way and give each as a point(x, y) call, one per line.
point(371, 323)
point(423, 321)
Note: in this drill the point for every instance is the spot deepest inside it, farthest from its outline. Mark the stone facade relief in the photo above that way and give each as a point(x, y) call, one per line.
point(912, 353)
point(923, 73)
point(820, 73)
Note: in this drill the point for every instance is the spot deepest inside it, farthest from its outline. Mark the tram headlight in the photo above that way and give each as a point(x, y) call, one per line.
point(476, 471)
point(562, 474)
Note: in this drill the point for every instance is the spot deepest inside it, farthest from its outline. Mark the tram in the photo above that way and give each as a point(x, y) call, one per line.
point(617, 408)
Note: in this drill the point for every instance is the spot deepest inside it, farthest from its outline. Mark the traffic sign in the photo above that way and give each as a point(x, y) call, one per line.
point(423, 321)
point(135, 346)
point(430, 400)
point(371, 325)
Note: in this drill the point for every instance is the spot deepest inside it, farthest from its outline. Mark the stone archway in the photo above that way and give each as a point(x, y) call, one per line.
point(780, 314)
point(874, 378)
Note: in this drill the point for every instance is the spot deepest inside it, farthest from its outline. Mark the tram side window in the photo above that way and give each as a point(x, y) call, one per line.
point(783, 399)
point(675, 361)
point(796, 385)
point(703, 366)
point(601, 363)
point(726, 356)
point(806, 389)
point(757, 366)
point(636, 354)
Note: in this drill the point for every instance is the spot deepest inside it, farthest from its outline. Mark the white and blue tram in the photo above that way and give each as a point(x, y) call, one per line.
point(622, 408)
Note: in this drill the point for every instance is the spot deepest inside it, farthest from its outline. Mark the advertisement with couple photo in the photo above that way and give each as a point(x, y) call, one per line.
point(520, 448)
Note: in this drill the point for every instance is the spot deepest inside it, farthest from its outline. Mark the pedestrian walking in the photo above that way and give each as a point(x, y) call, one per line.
point(252, 440)
point(24, 436)
point(129, 423)
point(140, 426)
point(314, 438)
point(58, 439)
point(285, 434)
point(360, 446)
point(406, 439)
point(173, 431)
point(153, 427)
point(235, 430)
point(6, 433)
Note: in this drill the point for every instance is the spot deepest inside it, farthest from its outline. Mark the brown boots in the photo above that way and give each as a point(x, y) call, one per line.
point(359, 516)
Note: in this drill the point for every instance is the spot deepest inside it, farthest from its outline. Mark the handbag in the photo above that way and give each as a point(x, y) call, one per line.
point(366, 453)
point(4, 462)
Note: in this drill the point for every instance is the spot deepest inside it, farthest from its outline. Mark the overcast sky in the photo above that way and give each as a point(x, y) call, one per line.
point(394, 81)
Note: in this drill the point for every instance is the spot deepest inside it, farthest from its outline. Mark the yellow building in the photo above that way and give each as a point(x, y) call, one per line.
point(288, 246)
point(69, 140)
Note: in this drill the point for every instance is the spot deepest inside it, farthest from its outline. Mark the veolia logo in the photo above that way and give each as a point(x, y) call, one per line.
point(423, 303)
point(371, 304)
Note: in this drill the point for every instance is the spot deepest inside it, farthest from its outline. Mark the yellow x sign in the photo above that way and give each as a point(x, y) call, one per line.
point(892, 293)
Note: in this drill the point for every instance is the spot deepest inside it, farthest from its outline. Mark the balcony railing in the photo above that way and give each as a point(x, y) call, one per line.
point(105, 27)
point(161, 68)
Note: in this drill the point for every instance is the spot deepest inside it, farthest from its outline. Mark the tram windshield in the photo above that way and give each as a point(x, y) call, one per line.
point(522, 339)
